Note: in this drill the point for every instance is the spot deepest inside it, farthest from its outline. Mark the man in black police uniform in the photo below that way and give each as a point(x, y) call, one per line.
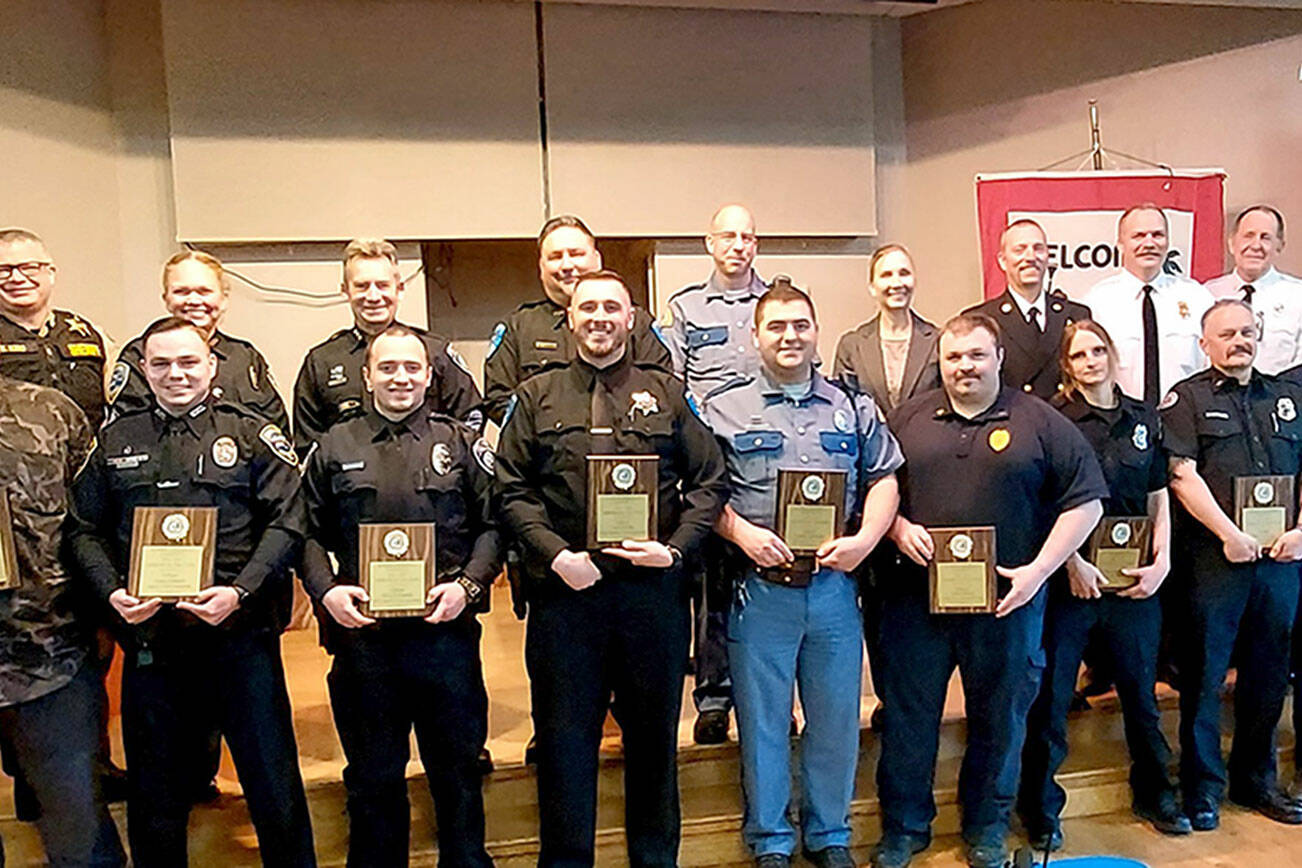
point(195, 288)
point(535, 336)
point(329, 386)
point(38, 343)
point(975, 454)
point(217, 658)
point(1030, 317)
point(402, 463)
point(614, 620)
point(51, 692)
point(1231, 420)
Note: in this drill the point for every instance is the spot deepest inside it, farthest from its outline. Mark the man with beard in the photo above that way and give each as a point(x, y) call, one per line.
point(609, 620)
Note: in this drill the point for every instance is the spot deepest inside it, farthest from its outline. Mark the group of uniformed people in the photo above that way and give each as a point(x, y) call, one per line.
point(1030, 413)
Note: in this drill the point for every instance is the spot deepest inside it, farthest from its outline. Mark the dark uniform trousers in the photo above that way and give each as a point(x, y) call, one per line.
point(711, 599)
point(384, 682)
point(627, 635)
point(237, 682)
point(1128, 631)
point(1001, 663)
point(1255, 603)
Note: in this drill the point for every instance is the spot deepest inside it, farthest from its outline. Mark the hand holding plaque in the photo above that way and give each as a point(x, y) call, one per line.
point(622, 495)
point(172, 551)
point(1120, 543)
point(810, 508)
point(396, 566)
point(1264, 506)
point(962, 574)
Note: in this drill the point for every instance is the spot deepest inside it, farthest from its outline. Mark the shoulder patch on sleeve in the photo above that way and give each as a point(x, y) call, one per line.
point(510, 409)
point(484, 455)
point(692, 405)
point(659, 333)
point(278, 443)
point(1169, 400)
point(499, 332)
point(117, 380)
point(457, 359)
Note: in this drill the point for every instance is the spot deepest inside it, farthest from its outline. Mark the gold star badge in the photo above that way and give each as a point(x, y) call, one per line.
point(77, 326)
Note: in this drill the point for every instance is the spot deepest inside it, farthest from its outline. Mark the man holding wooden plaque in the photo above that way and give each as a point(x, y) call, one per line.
point(609, 480)
point(1235, 445)
point(811, 470)
point(187, 517)
point(994, 480)
point(400, 496)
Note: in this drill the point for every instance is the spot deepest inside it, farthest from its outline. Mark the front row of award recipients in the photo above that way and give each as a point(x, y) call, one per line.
point(975, 526)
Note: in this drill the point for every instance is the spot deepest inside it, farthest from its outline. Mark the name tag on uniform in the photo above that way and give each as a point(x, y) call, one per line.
point(352, 465)
point(85, 350)
point(545, 345)
point(1215, 414)
point(127, 462)
point(14, 348)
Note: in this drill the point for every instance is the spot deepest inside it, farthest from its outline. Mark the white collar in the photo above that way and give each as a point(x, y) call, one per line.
point(1026, 306)
point(1270, 278)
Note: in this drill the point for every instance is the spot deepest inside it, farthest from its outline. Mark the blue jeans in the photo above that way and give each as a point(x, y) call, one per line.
point(779, 637)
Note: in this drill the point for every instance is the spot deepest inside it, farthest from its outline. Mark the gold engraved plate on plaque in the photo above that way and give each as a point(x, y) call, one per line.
point(962, 573)
point(1264, 506)
point(810, 508)
point(1120, 543)
point(172, 552)
point(396, 562)
point(622, 495)
point(10, 578)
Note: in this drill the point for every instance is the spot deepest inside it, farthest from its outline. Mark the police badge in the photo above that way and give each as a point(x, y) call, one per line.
point(644, 403)
point(440, 458)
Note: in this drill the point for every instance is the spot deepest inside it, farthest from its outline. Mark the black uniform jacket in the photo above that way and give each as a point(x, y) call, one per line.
point(1031, 355)
point(535, 338)
point(243, 377)
point(218, 454)
point(329, 386)
point(542, 461)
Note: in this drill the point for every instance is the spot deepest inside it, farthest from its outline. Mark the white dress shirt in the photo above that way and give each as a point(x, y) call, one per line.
point(1116, 303)
point(1277, 301)
point(1027, 306)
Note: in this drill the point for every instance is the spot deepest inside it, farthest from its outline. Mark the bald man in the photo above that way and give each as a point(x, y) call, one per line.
point(710, 341)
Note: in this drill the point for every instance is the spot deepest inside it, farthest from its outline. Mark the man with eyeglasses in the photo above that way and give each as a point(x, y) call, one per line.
point(39, 344)
point(710, 341)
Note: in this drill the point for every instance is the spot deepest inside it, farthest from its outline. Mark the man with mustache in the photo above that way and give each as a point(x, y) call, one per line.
point(1241, 595)
point(1151, 314)
point(1256, 241)
point(329, 387)
point(612, 620)
point(1030, 317)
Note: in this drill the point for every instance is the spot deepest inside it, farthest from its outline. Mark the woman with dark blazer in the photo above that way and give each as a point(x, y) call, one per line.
point(892, 357)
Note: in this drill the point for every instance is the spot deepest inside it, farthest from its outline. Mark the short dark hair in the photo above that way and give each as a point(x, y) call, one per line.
point(1219, 304)
point(1266, 209)
point(560, 221)
point(782, 289)
point(964, 323)
point(169, 324)
point(1143, 206)
point(395, 330)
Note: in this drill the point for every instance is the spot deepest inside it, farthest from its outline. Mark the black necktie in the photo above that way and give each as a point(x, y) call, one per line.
point(1152, 378)
point(1033, 317)
point(1248, 290)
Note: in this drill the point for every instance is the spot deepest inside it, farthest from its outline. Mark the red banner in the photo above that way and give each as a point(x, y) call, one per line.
point(1079, 212)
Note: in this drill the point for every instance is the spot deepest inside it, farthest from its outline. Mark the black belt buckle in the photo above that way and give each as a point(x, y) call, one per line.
point(798, 574)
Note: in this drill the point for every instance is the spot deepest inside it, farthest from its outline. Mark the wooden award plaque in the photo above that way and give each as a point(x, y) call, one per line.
point(1121, 542)
point(395, 563)
point(622, 495)
point(810, 509)
point(10, 577)
point(1264, 506)
point(172, 549)
point(962, 574)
